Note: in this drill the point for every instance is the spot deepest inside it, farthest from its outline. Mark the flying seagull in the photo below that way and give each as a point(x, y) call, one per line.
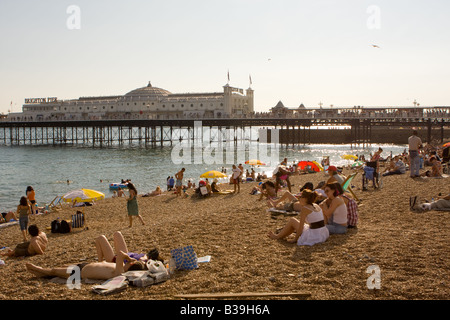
point(375, 46)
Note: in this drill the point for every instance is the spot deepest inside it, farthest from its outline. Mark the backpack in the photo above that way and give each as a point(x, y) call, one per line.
point(56, 226)
point(65, 227)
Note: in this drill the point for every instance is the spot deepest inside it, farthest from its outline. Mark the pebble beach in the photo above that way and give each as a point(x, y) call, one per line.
point(410, 249)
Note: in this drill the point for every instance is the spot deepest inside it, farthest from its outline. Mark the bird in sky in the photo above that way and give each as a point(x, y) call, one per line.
point(375, 46)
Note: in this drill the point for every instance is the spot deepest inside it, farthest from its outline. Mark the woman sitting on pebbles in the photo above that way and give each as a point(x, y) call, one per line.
point(310, 229)
point(334, 210)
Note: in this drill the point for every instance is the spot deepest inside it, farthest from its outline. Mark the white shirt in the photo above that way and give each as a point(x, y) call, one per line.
point(236, 173)
point(414, 143)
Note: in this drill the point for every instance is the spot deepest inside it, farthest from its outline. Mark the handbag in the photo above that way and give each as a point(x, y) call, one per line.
point(185, 258)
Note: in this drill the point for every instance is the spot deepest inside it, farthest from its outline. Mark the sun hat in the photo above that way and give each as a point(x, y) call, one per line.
point(331, 168)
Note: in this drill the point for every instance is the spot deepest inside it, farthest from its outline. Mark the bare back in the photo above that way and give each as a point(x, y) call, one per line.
point(38, 244)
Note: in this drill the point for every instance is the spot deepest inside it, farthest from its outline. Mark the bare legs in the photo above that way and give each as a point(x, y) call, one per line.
point(292, 226)
point(104, 249)
point(286, 196)
point(131, 220)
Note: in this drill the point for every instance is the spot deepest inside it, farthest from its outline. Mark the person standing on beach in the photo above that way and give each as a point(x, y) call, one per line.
point(236, 178)
point(241, 167)
point(31, 195)
point(132, 204)
point(179, 183)
point(415, 143)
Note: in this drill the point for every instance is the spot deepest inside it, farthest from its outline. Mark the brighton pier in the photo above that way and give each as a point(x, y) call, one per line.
point(332, 125)
point(154, 117)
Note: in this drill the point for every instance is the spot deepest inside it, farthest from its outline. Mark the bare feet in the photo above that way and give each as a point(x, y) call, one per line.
point(37, 271)
point(272, 235)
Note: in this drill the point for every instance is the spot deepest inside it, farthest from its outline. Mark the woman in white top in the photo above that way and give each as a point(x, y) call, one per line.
point(334, 210)
point(310, 229)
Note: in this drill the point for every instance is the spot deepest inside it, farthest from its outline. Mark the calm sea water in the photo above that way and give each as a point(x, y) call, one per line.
point(47, 168)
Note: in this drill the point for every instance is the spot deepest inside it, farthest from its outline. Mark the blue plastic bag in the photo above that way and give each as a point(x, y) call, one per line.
point(185, 258)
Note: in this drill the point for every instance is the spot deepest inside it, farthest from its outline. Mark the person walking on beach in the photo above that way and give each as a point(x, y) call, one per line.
point(415, 143)
point(23, 211)
point(132, 205)
point(179, 184)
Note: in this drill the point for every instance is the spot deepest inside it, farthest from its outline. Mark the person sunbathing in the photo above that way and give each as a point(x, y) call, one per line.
point(8, 216)
point(268, 190)
point(109, 264)
point(95, 270)
point(156, 192)
point(439, 203)
point(36, 245)
point(286, 202)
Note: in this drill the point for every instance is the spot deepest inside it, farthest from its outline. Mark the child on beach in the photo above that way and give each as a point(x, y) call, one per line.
point(24, 211)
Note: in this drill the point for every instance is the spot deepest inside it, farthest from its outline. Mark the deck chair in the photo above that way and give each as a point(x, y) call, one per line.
point(55, 204)
point(346, 185)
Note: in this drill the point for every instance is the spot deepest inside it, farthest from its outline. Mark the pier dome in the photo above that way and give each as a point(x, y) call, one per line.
point(148, 91)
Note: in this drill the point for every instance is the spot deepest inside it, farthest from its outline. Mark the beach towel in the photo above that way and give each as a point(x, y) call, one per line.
point(8, 224)
point(114, 285)
point(277, 212)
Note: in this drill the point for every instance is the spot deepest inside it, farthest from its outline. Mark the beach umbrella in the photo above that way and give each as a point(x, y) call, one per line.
point(314, 165)
point(445, 145)
point(213, 174)
point(83, 195)
point(349, 157)
point(255, 162)
point(318, 165)
point(357, 163)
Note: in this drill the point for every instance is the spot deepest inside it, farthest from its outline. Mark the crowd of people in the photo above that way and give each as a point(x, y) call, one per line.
point(322, 210)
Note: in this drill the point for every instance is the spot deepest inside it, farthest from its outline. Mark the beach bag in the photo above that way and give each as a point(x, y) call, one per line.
point(78, 220)
point(55, 226)
point(155, 266)
point(65, 227)
point(185, 258)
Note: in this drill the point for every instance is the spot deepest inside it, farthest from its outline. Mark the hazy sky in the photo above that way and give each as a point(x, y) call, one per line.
point(295, 51)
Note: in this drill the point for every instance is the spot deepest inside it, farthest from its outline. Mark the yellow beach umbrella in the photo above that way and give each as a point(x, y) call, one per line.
point(349, 157)
point(83, 195)
point(213, 174)
point(255, 162)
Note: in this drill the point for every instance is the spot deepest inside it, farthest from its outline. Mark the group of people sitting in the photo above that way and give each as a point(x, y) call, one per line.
point(322, 211)
point(398, 165)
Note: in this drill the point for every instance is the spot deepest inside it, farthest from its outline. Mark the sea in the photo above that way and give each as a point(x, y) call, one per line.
point(55, 170)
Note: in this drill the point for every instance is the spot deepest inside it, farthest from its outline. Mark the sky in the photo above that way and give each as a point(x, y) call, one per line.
point(293, 51)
